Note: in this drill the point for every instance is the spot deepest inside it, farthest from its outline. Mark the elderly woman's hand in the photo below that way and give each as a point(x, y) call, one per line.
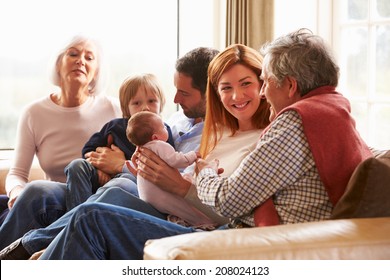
point(154, 169)
point(14, 194)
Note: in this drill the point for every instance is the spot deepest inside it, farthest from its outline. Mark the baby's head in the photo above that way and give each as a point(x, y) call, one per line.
point(146, 126)
point(141, 93)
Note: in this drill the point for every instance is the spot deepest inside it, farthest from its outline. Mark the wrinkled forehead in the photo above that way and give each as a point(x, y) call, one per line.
point(86, 46)
point(264, 71)
point(265, 64)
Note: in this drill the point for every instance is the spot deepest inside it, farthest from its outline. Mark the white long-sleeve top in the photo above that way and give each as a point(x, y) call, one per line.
point(230, 151)
point(56, 135)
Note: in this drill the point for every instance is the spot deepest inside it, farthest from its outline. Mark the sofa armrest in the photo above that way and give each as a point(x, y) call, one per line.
point(333, 239)
point(36, 173)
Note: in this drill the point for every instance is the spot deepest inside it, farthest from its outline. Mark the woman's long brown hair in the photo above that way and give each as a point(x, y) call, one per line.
point(217, 117)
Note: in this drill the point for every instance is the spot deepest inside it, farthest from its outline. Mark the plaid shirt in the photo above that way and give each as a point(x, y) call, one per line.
point(281, 166)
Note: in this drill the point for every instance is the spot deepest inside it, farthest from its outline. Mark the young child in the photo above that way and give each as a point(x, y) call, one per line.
point(136, 94)
point(148, 130)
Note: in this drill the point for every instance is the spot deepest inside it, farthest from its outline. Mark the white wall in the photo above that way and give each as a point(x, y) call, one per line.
point(206, 27)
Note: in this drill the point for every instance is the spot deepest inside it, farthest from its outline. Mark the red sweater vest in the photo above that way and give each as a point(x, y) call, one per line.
point(334, 141)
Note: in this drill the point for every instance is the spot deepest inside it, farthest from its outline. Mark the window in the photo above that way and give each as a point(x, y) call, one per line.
point(362, 40)
point(137, 37)
point(359, 33)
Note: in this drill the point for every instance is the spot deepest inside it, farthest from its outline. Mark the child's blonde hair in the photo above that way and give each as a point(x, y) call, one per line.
point(130, 87)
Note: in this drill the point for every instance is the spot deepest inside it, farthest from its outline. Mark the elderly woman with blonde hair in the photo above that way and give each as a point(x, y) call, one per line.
point(55, 129)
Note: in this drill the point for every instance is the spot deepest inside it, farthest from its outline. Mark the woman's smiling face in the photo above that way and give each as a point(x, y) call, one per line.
point(239, 90)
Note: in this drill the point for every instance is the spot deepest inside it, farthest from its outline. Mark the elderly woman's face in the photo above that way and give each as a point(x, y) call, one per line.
point(79, 64)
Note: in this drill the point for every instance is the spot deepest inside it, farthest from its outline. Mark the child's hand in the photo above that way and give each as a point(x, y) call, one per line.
point(110, 141)
point(103, 177)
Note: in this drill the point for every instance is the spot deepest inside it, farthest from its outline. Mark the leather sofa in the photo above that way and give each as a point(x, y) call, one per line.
point(359, 229)
point(352, 239)
point(5, 163)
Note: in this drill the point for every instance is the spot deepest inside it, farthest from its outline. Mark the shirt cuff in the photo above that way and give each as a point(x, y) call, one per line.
point(207, 172)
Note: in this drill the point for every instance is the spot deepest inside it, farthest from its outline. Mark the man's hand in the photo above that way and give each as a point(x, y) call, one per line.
point(109, 160)
point(154, 169)
point(201, 164)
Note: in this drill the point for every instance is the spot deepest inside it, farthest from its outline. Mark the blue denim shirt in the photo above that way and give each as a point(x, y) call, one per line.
point(186, 135)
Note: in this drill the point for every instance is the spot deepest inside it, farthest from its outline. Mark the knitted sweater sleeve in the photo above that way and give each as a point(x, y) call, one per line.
point(20, 168)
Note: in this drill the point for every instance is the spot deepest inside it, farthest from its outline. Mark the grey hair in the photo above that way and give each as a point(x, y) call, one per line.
point(303, 56)
point(97, 84)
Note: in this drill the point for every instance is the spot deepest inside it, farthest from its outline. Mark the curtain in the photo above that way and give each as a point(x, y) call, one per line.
point(249, 22)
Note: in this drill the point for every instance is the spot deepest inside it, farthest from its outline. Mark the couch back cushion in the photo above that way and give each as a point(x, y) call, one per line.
point(368, 191)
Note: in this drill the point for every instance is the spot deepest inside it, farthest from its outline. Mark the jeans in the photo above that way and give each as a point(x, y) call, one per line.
point(43, 202)
point(102, 231)
point(82, 181)
point(4, 210)
point(38, 239)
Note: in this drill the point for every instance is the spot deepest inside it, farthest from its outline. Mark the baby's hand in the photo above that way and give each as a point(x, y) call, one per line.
point(132, 167)
point(132, 164)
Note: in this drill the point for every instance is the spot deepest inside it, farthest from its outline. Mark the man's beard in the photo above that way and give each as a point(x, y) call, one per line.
point(197, 111)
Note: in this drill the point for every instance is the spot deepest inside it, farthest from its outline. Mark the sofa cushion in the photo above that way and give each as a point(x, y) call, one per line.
point(349, 239)
point(368, 191)
point(36, 173)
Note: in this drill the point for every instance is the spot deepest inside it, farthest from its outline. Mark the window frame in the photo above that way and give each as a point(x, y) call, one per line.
point(187, 12)
point(367, 123)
